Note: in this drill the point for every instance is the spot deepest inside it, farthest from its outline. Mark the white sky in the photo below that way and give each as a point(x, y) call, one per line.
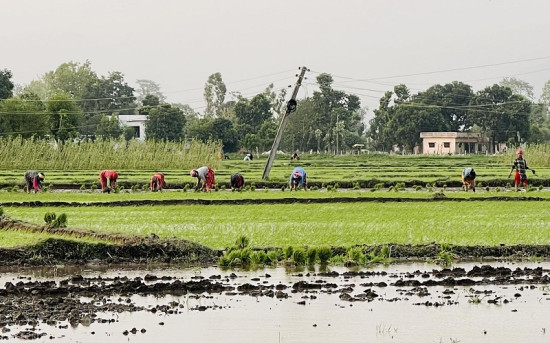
point(179, 43)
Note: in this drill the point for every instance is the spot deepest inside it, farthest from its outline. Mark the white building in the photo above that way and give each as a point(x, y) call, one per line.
point(136, 121)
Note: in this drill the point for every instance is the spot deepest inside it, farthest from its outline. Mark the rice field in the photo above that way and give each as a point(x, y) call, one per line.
point(337, 224)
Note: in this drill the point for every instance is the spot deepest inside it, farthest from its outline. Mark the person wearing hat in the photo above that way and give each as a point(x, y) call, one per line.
point(237, 182)
point(520, 165)
point(157, 182)
point(205, 178)
point(33, 181)
point(107, 179)
point(298, 178)
point(469, 179)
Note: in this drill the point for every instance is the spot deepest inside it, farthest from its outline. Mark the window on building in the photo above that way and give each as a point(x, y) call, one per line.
point(446, 144)
point(431, 145)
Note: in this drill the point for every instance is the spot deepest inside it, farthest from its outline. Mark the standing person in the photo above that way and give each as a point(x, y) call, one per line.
point(298, 178)
point(33, 181)
point(469, 179)
point(205, 178)
point(157, 182)
point(237, 182)
point(108, 179)
point(520, 165)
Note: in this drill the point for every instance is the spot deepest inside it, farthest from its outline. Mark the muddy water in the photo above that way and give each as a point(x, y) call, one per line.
point(359, 305)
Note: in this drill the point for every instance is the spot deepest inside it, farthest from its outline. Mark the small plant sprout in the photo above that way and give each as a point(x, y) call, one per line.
point(242, 242)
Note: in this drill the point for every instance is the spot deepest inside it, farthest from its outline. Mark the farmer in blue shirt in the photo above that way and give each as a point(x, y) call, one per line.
point(298, 178)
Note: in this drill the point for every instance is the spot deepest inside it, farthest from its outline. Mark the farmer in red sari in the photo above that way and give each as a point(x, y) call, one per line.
point(205, 178)
point(157, 182)
point(33, 181)
point(108, 178)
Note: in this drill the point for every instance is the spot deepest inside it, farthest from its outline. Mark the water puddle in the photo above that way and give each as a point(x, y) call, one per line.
point(414, 302)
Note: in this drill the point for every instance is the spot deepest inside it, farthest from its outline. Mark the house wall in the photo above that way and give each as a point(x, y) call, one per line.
point(134, 120)
point(439, 145)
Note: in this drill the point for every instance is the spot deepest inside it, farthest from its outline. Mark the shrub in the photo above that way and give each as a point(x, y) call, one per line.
point(324, 253)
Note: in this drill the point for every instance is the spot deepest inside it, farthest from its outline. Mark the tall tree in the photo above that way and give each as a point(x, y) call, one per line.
point(109, 127)
point(165, 122)
point(502, 115)
point(64, 116)
point(23, 115)
point(148, 87)
point(219, 129)
point(518, 87)
point(214, 95)
point(6, 85)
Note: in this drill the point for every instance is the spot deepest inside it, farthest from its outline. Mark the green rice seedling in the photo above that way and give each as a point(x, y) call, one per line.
point(487, 189)
point(144, 187)
point(530, 188)
point(224, 261)
point(314, 188)
point(273, 256)
point(336, 186)
point(246, 255)
point(49, 217)
point(247, 188)
point(508, 185)
point(93, 187)
point(391, 188)
point(283, 188)
point(252, 188)
point(356, 254)
point(497, 189)
point(399, 186)
point(337, 259)
point(356, 185)
point(299, 256)
point(83, 187)
point(378, 186)
point(258, 257)
point(480, 184)
point(266, 190)
point(323, 185)
point(329, 188)
point(223, 187)
point(216, 188)
point(385, 252)
point(288, 252)
point(15, 188)
point(445, 254)
point(186, 187)
point(234, 257)
point(242, 242)
point(541, 187)
point(311, 256)
point(324, 253)
point(417, 187)
point(61, 221)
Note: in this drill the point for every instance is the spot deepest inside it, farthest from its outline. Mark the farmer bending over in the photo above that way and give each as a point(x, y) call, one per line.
point(108, 178)
point(157, 182)
point(298, 178)
point(469, 179)
point(205, 178)
point(33, 181)
point(520, 165)
point(237, 182)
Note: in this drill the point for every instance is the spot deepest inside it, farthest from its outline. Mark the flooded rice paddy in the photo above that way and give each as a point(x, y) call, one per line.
point(413, 302)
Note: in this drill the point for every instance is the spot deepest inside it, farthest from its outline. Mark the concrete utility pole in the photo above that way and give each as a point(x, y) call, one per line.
point(290, 107)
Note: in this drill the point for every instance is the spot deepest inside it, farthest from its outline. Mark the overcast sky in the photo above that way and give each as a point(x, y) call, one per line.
point(179, 43)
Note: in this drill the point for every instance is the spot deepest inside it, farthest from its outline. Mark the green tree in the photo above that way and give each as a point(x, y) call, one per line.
point(23, 115)
point(64, 116)
point(219, 129)
point(109, 127)
point(148, 87)
point(214, 95)
point(165, 122)
point(500, 114)
point(518, 87)
point(6, 85)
